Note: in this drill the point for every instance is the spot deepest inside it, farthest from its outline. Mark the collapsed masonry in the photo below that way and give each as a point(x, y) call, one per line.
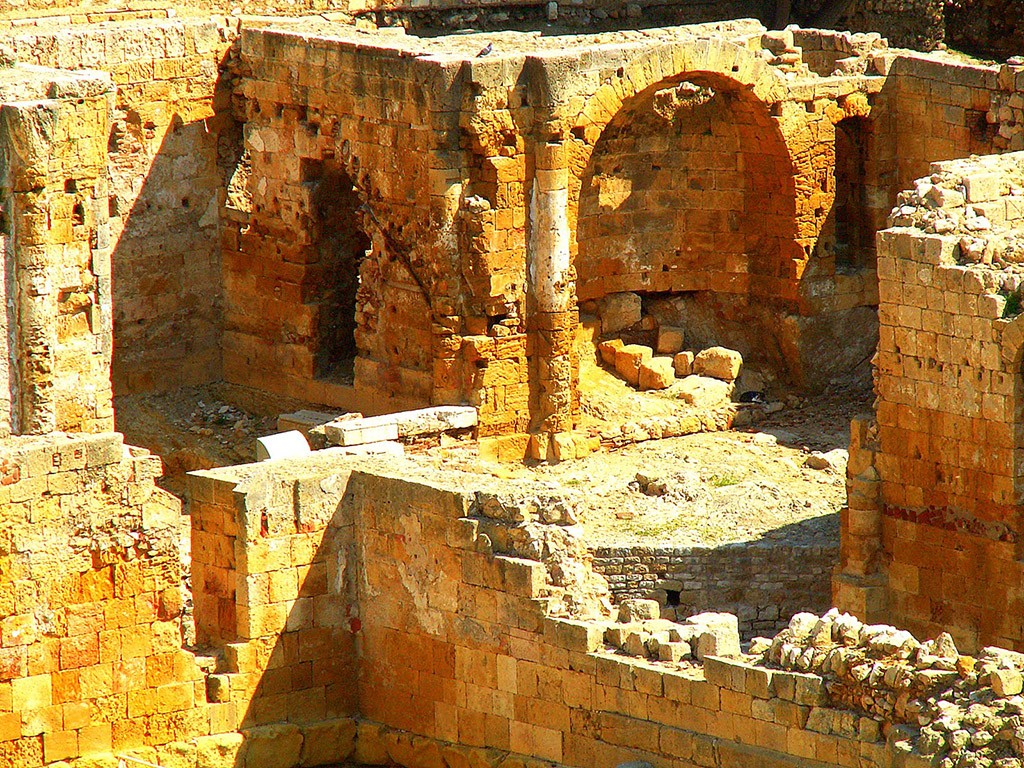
point(380, 611)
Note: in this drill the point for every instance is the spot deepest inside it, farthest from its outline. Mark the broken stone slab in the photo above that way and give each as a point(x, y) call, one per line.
point(432, 421)
point(425, 421)
point(284, 445)
point(704, 392)
point(657, 373)
point(372, 429)
point(718, 363)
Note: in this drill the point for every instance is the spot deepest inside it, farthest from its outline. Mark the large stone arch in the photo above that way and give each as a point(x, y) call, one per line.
point(682, 183)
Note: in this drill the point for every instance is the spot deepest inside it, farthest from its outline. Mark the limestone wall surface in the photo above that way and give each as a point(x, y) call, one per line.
point(56, 257)
point(92, 599)
point(389, 613)
point(170, 148)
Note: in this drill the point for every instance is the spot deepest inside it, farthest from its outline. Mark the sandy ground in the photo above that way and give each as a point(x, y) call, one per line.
point(707, 488)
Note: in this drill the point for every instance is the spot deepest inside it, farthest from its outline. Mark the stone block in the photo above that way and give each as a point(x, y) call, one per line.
point(618, 311)
point(638, 610)
point(328, 743)
point(628, 360)
point(373, 429)
point(1006, 682)
point(674, 651)
point(683, 363)
point(608, 349)
point(219, 751)
point(718, 363)
point(432, 421)
point(273, 746)
point(982, 187)
point(670, 340)
point(703, 392)
point(719, 634)
point(657, 373)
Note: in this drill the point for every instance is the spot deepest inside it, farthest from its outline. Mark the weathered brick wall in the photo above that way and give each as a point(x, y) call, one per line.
point(171, 150)
point(762, 584)
point(91, 600)
point(933, 527)
point(378, 132)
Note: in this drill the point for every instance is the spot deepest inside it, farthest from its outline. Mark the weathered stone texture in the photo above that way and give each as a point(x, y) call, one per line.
point(763, 585)
point(169, 145)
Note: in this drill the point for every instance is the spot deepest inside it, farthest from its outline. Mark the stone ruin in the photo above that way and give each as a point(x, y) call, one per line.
point(334, 210)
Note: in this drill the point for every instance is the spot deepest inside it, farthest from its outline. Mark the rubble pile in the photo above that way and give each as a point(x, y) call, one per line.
point(641, 632)
point(957, 710)
point(979, 212)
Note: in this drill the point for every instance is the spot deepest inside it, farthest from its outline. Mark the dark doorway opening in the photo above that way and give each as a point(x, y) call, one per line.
point(855, 235)
point(340, 246)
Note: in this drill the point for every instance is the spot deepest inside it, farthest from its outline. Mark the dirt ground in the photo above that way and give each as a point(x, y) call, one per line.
point(706, 488)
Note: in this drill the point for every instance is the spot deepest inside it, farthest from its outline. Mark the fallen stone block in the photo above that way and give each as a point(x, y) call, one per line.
point(638, 610)
point(1006, 682)
point(719, 363)
point(719, 634)
point(703, 392)
point(607, 350)
point(373, 429)
point(657, 373)
point(670, 340)
point(432, 421)
point(618, 311)
point(683, 363)
point(628, 360)
point(674, 651)
point(286, 445)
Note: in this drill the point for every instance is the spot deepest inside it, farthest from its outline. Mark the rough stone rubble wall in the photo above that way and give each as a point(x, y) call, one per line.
point(931, 538)
point(762, 585)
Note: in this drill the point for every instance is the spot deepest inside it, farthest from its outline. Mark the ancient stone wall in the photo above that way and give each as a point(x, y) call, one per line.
point(336, 123)
point(932, 533)
point(172, 148)
point(56, 271)
point(762, 584)
point(92, 599)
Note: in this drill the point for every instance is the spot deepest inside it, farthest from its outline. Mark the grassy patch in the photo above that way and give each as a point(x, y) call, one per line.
point(721, 481)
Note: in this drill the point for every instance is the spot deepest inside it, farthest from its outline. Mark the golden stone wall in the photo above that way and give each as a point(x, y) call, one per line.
point(932, 534)
point(166, 153)
point(53, 191)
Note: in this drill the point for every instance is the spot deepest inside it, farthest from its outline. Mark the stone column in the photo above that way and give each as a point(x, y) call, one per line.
point(551, 289)
point(57, 254)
